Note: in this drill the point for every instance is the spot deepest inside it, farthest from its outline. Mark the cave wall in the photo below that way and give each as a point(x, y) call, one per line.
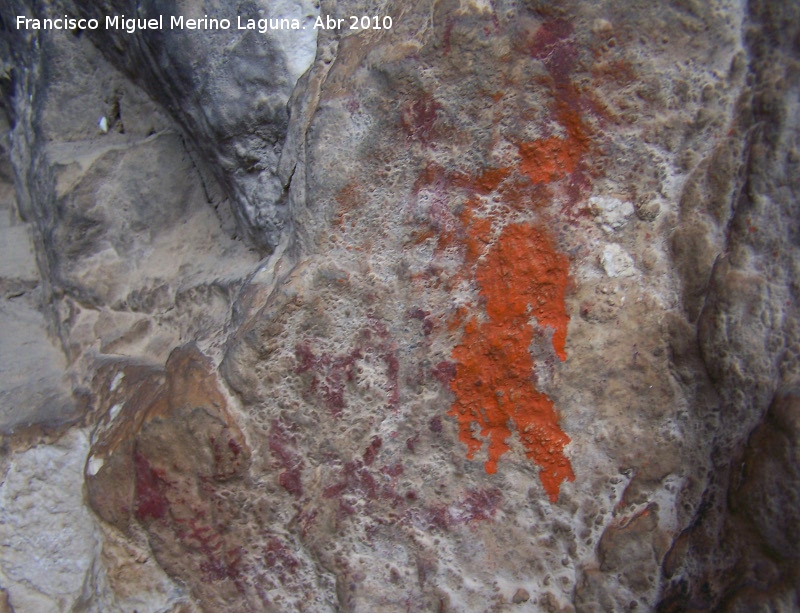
point(491, 310)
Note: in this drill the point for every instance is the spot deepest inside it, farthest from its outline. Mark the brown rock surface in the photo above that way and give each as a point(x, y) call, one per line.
point(173, 464)
point(524, 338)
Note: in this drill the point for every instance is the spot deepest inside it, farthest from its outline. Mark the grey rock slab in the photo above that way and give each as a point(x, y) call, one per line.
point(228, 89)
point(48, 538)
point(33, 386)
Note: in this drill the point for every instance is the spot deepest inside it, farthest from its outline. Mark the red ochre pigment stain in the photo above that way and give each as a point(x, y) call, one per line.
point(522, 280)
point(520, 277)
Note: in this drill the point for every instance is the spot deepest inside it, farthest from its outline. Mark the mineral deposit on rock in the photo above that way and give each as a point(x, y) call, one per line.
point(450, 306)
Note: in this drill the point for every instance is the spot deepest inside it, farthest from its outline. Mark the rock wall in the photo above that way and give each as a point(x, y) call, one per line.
point(493, 309)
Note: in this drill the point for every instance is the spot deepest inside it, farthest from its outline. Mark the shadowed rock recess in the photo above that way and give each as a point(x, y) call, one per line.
point(494, 309)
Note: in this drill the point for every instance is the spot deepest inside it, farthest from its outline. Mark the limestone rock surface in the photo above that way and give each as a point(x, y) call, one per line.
point(494, 309)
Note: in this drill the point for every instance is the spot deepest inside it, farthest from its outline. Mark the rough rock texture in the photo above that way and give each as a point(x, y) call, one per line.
point(492, 310)
point(234, 109)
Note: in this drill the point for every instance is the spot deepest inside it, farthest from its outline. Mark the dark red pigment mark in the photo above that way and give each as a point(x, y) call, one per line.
point(552, 45)
point(419, 118)
point(355, 478)
point(474, 505)
point(279, 559)
point(283, 446)
point(227, 566)
point(424, 317)
point(394, 470)
point(381, 340)
point(372, 451)
point(331, 374)
point(227, 461)
point(356, 481)
point(444, 372)
point(189, 525)
point(448, 31)
point(480, 504)
point(151, 483)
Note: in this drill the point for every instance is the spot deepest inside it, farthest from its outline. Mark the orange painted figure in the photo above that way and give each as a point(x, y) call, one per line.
point(520, 278)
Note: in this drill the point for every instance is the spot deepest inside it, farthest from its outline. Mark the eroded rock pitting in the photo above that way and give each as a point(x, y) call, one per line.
point(492, 309)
